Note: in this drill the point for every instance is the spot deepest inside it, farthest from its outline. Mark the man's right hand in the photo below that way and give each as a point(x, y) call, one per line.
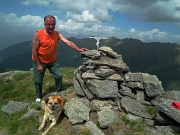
point(83, 49)
point(40, 68)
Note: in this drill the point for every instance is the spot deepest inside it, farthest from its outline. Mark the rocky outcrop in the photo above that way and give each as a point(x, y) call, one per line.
point(104, 76)
point(106, 89)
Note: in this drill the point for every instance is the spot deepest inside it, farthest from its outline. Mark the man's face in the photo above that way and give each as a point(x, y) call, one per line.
point(50, 25)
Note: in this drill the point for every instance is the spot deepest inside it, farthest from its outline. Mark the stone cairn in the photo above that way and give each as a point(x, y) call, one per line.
point(104, 77)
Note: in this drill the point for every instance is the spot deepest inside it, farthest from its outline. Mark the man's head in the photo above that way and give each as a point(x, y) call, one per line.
point(49, 23)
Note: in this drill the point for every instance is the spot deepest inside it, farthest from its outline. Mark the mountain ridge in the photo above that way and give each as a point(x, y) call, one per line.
point(161, 59)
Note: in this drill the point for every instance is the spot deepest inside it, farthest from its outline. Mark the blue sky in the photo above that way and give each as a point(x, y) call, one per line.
point(147, 20)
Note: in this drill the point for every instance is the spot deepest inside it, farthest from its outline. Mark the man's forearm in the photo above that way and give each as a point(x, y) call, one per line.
point(73, 46)
point(36, 58)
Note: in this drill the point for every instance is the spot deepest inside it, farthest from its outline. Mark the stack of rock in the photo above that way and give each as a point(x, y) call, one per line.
point(105, 77)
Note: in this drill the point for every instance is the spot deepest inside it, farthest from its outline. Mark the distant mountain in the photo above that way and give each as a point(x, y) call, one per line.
point(8, 41)
point(161, 59)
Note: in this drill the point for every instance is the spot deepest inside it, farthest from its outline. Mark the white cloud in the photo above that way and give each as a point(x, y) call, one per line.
point(38, 2)
point(70, 25)
point(26, 24)
point(151, 10)
point(143, 10)
point(103, 15)
point(84, 17)
point(153, 36)
point(29, 24)
point(81, 11)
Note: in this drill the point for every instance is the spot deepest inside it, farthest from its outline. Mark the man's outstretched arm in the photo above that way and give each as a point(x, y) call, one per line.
point(71, 44)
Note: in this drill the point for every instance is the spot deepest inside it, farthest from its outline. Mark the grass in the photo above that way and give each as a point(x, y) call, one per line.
point(135, 125)
point(152, 110)
point(21, 88)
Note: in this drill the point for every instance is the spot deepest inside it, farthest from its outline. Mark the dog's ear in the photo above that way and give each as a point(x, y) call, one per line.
point(45, 101)
point(61, 100)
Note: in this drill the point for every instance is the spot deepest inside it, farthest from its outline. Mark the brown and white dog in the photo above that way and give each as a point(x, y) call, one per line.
point(53, 108)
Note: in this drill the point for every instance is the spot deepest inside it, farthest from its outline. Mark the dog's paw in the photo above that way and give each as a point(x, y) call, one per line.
point(40, 128)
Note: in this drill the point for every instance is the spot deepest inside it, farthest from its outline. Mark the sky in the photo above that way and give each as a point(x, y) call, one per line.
point(146, 20)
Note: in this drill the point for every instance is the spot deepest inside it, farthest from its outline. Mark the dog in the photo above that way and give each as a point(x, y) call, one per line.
point(53, 108)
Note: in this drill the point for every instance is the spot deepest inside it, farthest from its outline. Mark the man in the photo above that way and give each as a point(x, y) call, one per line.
point(44, 48)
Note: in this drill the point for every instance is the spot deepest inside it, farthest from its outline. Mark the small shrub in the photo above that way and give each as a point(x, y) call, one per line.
point(152, 110)
point(124, 119)
point(98, 124)
point(137, 126)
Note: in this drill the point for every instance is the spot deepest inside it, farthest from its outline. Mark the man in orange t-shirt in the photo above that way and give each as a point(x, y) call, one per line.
point(44, 48)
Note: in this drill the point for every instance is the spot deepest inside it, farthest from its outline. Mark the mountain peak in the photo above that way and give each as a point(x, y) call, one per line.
point(112, 38)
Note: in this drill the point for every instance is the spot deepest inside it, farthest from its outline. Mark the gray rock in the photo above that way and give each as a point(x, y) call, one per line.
point(163, 119)
point(135, 85)
point(32, 113)
point(103, 88)
point(157, 100)
point(77, 129)
point(166, 108)
point(149, 122)
point(154, 131)
point(98, 105)
point(133, 77)
point(91, 54)
point(173, 95)
point(106, 117)
point(85, 101)
point(7, 76)
point(78, 88)
point(116, 64)
point(93, 128)
point(76, 111)
point(90, 68)
point(153, 87)
point(140, 96)
point(103, 73)
point(84, 88)
point(131, 118)
point(108, 51)
point(81, 68)
point(90, 75)
point(170, 128)
point(125, 91)
point(14, 106)
point(134, 107)
point(116, 77)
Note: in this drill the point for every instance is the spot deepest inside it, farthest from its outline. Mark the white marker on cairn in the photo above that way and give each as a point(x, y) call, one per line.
point(98, 38)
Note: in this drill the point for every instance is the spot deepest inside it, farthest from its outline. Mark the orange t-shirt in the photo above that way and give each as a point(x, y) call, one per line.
point(47, 46)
